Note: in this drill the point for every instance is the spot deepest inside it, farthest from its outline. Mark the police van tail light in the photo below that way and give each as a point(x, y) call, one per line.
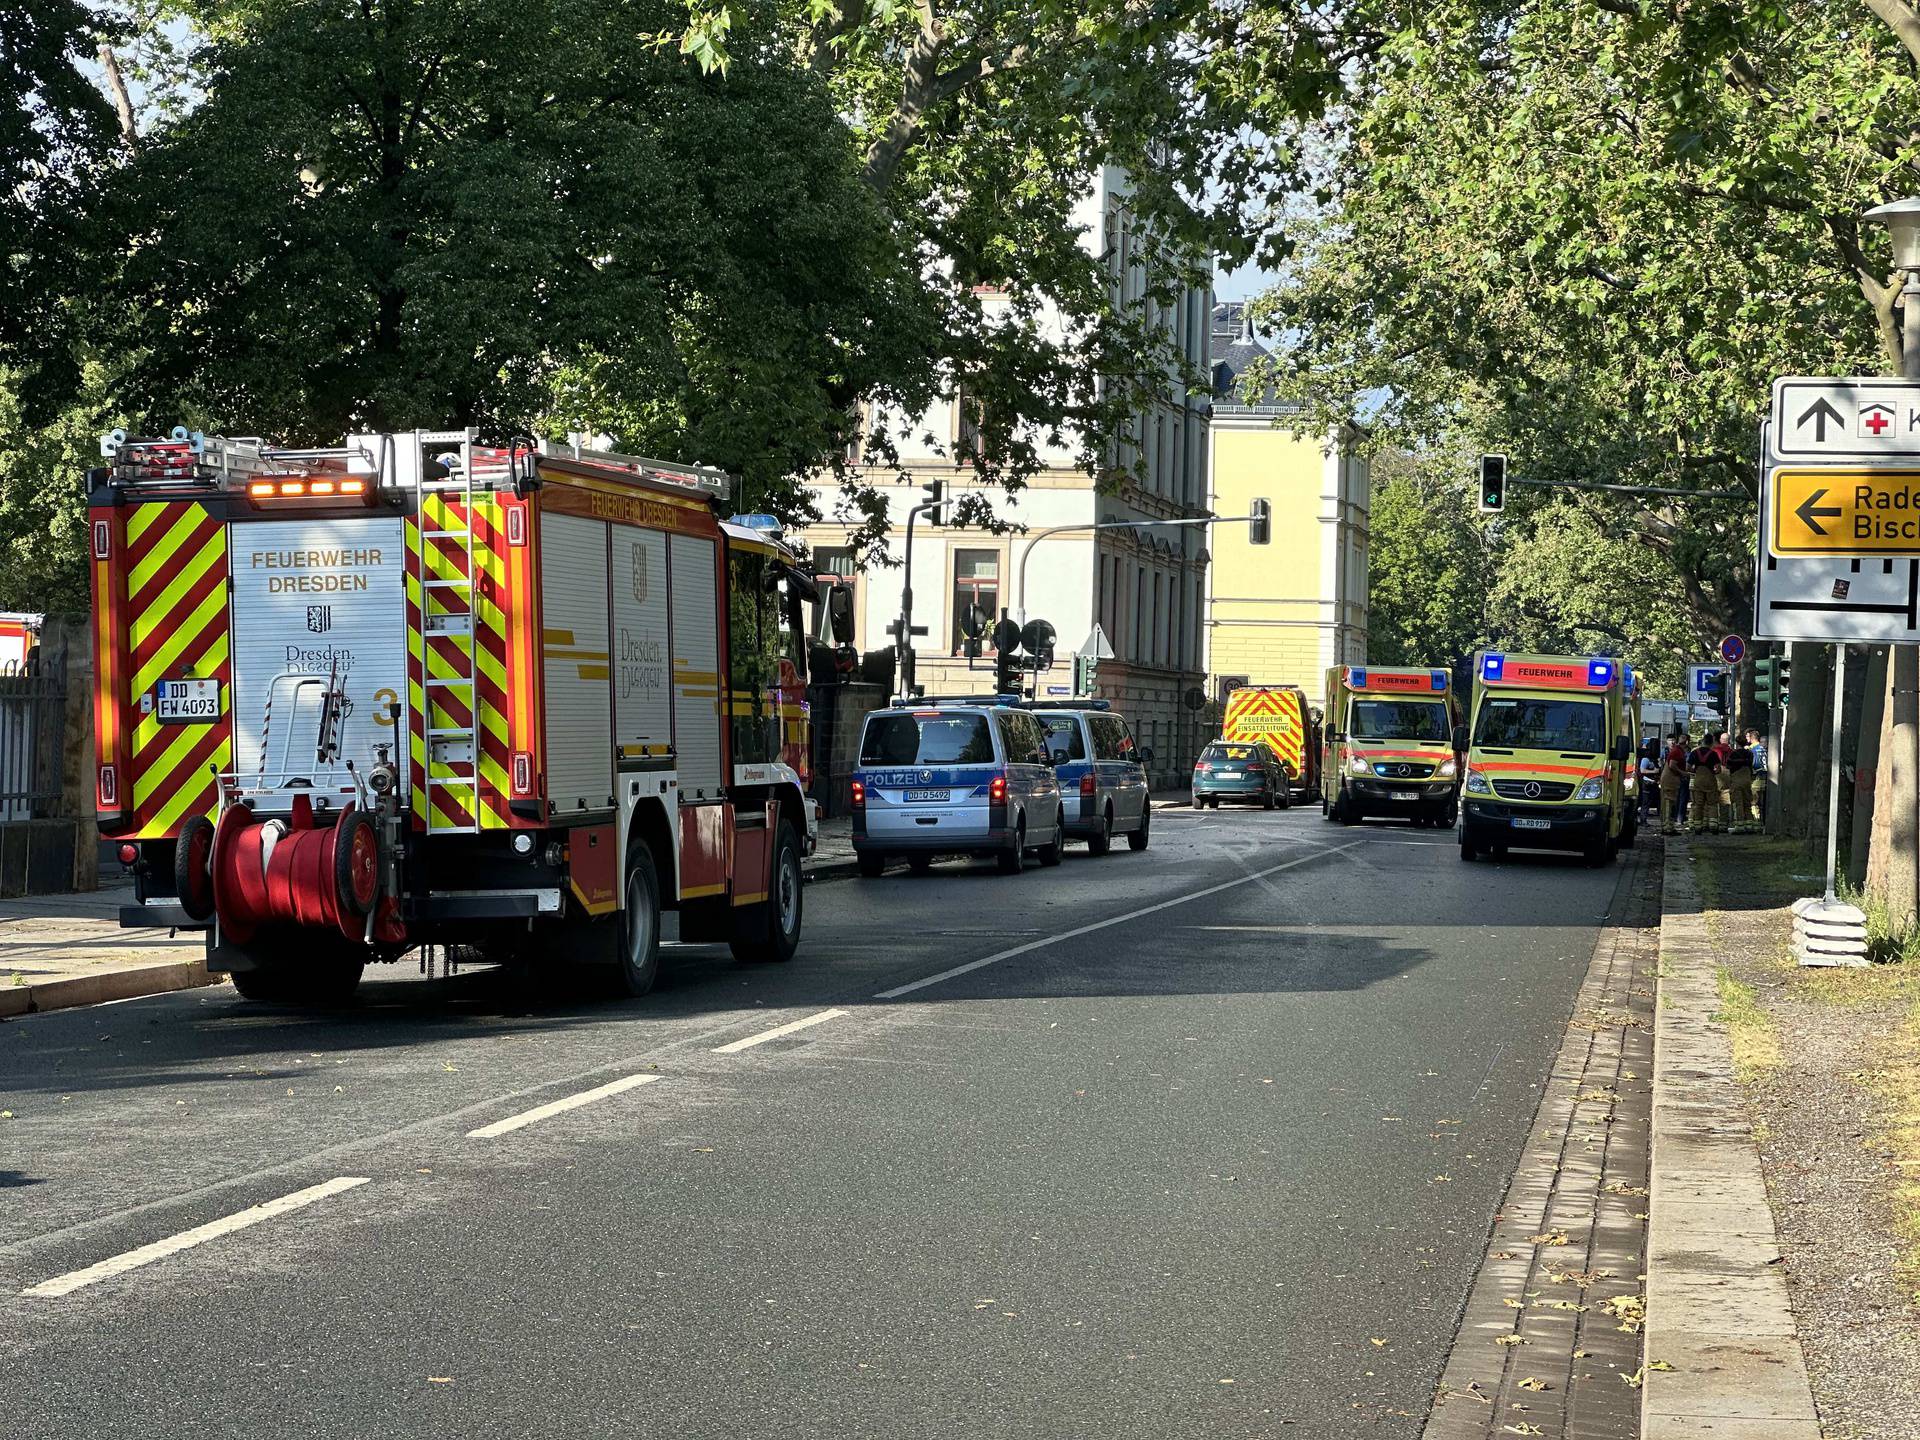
point(1086, 783)
point(858, 796)
point(997, 791)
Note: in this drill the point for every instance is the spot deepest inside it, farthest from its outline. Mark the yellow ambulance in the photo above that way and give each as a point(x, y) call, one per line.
point(1387, 745)
point(1548, 754)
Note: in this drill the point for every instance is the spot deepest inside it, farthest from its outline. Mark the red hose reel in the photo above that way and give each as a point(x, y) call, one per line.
point(292, 872)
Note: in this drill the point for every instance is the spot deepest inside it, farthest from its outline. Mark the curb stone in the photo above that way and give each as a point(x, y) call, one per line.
point(1718, 1308)
point(108, 985)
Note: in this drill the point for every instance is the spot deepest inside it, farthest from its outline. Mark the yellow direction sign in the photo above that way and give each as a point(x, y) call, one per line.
point(1840, 511)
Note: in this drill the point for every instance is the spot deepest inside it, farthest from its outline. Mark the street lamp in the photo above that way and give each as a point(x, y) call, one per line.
point(1902, 219)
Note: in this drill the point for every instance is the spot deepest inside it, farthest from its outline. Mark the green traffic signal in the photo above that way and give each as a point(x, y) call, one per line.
point(1493, 483)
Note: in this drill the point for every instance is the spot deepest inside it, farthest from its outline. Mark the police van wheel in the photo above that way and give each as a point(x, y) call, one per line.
point(1013, 859)
point(639, 921)
point(1138, 836)
point(1101, 841)
point(1051, 855)
point(872, 867)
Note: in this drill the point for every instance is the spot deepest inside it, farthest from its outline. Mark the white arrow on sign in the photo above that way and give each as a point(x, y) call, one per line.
point(1844, 419)
point(1096, 645)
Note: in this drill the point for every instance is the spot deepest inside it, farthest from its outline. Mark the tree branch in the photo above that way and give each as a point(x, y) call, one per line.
point(1883, 297)
point(1901, 18)
point(122, 102)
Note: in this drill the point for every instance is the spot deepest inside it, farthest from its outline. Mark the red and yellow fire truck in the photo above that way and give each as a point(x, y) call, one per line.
point(416, 690)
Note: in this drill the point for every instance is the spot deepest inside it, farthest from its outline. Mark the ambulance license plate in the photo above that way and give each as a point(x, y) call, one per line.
point(1527, 822)
point(186, 702)
point(1404, 795)
point(927, 797)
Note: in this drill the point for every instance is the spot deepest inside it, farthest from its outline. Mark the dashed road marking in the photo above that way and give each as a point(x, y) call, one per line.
point(1045, 941)
point(561, 1106)
point(735, 1047)
point(160, 1249)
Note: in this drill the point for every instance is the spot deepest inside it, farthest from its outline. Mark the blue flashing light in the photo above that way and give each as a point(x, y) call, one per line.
point(1599, 673)
point(766, 524)
point(1439, 681)
point(1493, 666)
point(1357, 676)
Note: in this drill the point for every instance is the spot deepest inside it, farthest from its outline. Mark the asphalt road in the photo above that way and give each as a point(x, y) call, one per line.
point(1209, 1145)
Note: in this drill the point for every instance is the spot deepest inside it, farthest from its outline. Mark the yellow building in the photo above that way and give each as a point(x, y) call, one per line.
point(1280, 613)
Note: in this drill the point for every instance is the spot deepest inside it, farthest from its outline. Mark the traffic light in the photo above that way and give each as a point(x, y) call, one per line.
point(1083, 670)
point(1717, 692)
point(1260, 532)
point(1493, 483)
point(935, 491)
point(1766, 680)
point(1006, 642)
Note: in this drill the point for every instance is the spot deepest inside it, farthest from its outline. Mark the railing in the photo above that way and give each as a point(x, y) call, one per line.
point(32, 736)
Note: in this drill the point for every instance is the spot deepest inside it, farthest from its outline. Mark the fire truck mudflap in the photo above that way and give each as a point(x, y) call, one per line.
point(415, 691)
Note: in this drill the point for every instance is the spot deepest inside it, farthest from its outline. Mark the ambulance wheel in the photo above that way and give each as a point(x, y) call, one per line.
point(1101, 841)
point(1467, 848)
point(1138, 836)
point(872, 867)
point(192, 868)
point(770, 931)
point(1013, 859)
point(920, 864)
point(638, 964)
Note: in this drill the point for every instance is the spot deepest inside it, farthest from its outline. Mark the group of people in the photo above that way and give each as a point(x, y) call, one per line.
point(1718, 785)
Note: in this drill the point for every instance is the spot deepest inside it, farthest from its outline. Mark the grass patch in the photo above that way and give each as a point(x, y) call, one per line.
point(1750, 1031)
point(1891, 939)
point(1898, 1082)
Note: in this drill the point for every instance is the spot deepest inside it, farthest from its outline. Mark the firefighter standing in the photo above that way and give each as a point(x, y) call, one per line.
point(1703, 764)
point(1673, 785)
point(1740, 780)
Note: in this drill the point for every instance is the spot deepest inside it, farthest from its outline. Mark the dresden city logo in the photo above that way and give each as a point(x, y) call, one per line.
point(319, 618)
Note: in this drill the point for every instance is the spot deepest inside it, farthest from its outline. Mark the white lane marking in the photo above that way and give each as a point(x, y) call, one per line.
point(774, 1034)
point(1041, 944)
point(187, 1239)
point(557, 1107)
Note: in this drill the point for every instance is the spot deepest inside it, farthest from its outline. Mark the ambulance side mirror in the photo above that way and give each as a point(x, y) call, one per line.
point(1460, 739)
point(1622, 748)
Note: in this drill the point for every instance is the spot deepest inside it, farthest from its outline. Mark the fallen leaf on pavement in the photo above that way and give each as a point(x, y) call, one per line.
point(1376, 1341)
point(1509, 1340)
point(1533, 1382)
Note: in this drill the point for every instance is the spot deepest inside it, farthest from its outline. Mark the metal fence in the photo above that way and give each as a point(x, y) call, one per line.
point(32, 737)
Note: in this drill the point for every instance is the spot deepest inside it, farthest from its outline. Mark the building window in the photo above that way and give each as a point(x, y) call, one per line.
point(833, 560)
point(969, 423)
point(976, 582)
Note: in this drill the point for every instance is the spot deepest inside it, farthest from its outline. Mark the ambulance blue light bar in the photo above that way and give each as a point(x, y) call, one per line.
point(1592, 673)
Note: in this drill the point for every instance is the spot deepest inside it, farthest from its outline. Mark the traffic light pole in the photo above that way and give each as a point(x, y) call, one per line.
point(1020, 587)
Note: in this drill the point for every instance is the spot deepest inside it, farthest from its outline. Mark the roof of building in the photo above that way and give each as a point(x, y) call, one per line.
point(1232, 347)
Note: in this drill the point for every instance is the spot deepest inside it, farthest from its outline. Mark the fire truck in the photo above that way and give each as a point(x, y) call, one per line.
point(417, 691)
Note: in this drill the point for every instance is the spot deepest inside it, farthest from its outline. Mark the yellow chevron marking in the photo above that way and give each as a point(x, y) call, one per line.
point(556, 637)
point(158, 772)
point(163, 550)
point(178, 808)
point(158, 611)
point(188, 631)
point(438, 668)
point(141, 517)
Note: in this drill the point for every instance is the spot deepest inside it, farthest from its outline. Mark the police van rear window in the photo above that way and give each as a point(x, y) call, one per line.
point(926, 739)
point(1063, 737)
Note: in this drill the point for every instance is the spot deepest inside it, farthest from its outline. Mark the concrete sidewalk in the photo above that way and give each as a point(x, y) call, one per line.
point(58, 951)
point(1723, 1353)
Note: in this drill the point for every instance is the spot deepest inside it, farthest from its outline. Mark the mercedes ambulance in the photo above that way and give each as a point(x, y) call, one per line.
point(1388, 745)
point(1547, 758)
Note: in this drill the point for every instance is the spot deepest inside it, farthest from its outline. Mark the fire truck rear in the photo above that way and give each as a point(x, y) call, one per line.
point(415, 690)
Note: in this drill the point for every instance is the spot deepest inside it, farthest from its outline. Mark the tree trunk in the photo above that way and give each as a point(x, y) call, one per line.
point(1893, 852)
point(1803, 791)
point(1866, 775)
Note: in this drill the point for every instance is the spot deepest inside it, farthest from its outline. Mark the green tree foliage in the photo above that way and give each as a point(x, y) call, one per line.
point(512, 214)
point(1590, 234)
point(1427, 572)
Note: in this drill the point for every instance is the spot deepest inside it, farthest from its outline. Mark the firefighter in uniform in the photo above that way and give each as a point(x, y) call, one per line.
point(1704, 765)
point(1740, 777)
point(1673, 778)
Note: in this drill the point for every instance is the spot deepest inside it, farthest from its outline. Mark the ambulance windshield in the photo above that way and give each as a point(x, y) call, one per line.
point(1399, 720)
point(1572, 726)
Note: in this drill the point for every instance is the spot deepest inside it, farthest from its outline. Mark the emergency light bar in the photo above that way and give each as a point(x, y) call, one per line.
point(1593, 673)
point(306, 489)
point(1403, 682)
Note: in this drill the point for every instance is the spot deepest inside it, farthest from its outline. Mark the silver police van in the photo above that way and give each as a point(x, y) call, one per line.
point(955, 777)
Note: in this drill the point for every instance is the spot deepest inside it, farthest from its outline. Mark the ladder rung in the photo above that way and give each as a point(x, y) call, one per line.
point(459, 680)
point(459, 732)
point(450, 584)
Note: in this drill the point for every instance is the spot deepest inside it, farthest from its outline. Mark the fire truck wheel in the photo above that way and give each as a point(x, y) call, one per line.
point(771, 931)
point(192, 873)
point(267, 983)
point(639, 962)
